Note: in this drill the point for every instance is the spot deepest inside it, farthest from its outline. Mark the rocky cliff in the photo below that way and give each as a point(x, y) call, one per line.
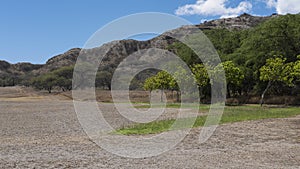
point(244, 21)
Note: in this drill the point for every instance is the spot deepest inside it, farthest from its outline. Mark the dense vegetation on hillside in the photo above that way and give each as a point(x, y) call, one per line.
point(249, 49)
point(264, 57)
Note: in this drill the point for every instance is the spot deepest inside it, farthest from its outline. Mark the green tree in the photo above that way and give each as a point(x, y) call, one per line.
point(46, 82)
point(276, 70)
point(64, 77)
point(103, 79)
point(201, 77)
point(63, 83)
point(296, 69)
point(163, 80)
point(151, 84)
point(58, 78)
point(234, 76)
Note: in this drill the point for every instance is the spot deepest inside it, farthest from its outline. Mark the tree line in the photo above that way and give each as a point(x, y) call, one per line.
point(275, 71)
point(63, 77)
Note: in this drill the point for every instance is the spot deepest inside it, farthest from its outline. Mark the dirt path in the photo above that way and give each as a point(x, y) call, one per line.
point(45, 133)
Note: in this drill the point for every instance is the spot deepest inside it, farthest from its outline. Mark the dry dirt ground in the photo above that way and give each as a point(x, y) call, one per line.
point(42, 131)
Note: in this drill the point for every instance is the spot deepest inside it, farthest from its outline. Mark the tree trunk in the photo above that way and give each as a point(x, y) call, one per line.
point(263, 95)
point(150, 91)
point(228, 92)
point(161, 95)
point(172, 95)
point(49, 89)
point(178, 96)
point(200, 93)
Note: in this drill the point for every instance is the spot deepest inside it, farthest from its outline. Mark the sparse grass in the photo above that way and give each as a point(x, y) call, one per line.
point(230, 115)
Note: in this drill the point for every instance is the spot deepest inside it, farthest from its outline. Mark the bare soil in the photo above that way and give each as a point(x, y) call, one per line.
point(42, 131)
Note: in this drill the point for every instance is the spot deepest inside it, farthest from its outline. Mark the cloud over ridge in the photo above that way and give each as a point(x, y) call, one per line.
point(223, 9)
point(288, 6)
point(214, 8)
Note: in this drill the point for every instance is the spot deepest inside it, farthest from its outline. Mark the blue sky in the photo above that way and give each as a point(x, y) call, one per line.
point(36, 30)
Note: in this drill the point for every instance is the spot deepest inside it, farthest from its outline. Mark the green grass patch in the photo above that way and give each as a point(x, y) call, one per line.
point(202, 107)
point(230, 115)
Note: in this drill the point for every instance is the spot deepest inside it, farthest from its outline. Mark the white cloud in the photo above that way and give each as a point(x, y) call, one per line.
point(214, 8)
point(228, 16)
point(271, 3)
point(288, 6)
point(284, 6)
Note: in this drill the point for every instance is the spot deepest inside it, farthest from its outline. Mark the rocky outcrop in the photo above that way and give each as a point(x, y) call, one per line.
point(244, 21)
point(66, 59)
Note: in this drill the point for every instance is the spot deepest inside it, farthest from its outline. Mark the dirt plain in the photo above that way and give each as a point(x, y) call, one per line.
point(39, 130)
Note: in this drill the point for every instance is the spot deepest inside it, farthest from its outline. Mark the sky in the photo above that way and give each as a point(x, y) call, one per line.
point(36, 30)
